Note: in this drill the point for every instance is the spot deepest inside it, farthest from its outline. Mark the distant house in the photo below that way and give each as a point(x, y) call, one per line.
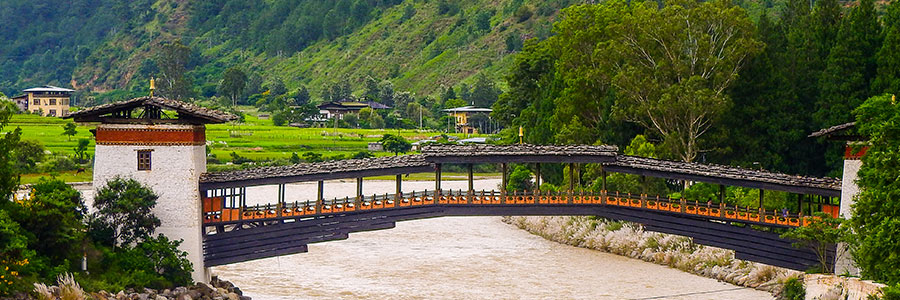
point(49, 100)
point(340, 108)
point(462, 115)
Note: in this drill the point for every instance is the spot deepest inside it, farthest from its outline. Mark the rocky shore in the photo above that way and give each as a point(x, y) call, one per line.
point(216, 290)
point(682, 253)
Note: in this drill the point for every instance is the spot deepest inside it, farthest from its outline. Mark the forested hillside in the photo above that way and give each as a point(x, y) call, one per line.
point(420, 46)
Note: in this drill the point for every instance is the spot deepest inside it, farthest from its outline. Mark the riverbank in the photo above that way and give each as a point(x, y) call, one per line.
point(215, 289)
point(678, 252)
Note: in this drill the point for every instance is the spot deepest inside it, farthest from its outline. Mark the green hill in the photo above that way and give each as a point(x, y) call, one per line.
point(420, 46)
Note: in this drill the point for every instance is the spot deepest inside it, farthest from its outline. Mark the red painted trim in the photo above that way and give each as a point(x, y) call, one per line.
point(853, 154)
point(174, 137)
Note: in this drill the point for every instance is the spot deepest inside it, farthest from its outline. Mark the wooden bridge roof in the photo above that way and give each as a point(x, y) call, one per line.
point(486, 153)
point(727, 175)
point(196, 113)
point(351, 168)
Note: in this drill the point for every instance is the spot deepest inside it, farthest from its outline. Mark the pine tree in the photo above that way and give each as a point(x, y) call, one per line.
point(887, 78)
point(850, 66)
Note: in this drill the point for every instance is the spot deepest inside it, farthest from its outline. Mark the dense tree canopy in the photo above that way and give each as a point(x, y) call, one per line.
point(874, 219)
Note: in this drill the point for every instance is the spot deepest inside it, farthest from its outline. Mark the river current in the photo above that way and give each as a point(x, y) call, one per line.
point(456, 258)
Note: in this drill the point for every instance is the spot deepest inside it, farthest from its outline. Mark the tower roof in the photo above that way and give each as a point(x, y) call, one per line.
point(842, 132)
point(121, 112)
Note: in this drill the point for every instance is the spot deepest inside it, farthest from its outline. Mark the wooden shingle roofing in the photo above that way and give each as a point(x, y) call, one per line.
point(606, 155)
point(525, 153)
point(727, 175)
point(350, 168)
point(202, 114)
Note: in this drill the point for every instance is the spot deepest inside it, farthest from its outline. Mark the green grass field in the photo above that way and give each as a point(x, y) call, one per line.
point(257, 139)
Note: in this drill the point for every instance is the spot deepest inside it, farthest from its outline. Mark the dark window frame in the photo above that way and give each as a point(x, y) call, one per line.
point(144, 160)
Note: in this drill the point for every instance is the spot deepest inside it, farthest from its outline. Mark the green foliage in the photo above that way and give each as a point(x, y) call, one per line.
point(27, 155)
point(850, 66)
point(519, 179)
point(153, 263)
point(124, 213)
point(233, 83)
point(887, 78)
point(680, 96)
point(14, 255)
point(173, 61)
point(395, 144)
point(295, 159)
point(874, 220)
point(793, 289)
point(312, 157)
point(69, 130)
point(238, 159)
point(81, 155)
point(9, 141)
point(362, 154)
point(821, 235)
point(53, 219)
point(278, 118)
point(891, 292)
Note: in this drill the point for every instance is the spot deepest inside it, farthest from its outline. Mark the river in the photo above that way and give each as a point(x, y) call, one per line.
point(456, 258)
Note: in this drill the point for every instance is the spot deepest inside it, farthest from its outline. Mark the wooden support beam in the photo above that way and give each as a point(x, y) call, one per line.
point(571, 177)
point(721, 193)
point(503, 182)
point(537, 176)
point(359, 191)
point(320, 197)
point(603, 174)
point(280, 204)
point(437, 177)
point(471, 192)
point(762, 194)
point(571, 183)
point(399, 193)
point(471, 178)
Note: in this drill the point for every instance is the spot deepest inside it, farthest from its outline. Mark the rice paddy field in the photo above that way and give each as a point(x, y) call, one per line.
point(256, 138)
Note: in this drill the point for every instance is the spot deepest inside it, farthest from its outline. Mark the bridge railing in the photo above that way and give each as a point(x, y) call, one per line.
point(216, 212)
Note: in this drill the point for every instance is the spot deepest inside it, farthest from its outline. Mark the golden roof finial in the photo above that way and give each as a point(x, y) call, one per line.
point(152, 86)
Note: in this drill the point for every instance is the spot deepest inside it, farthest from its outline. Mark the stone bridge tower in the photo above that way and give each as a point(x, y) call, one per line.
point(162, 144)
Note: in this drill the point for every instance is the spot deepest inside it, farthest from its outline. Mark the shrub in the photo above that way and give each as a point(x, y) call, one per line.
point(793, 289)
point(60, 164)
point(520, 179)
point(124, 213)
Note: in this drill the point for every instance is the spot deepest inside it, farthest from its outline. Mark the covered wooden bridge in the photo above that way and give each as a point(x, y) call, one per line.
point(235, 231)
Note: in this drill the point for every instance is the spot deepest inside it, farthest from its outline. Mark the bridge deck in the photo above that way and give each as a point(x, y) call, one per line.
point(216, 211)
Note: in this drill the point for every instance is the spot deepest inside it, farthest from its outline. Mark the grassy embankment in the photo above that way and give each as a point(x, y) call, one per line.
point(257, 139)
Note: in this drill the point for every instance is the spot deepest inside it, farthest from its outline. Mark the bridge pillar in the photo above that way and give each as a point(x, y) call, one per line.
point(503, 169)
point(471, 192)
point(320, 196)
point(399, 193)
point(359, 192)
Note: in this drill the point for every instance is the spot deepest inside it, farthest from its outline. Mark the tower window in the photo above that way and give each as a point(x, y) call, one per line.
point(144, 160)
